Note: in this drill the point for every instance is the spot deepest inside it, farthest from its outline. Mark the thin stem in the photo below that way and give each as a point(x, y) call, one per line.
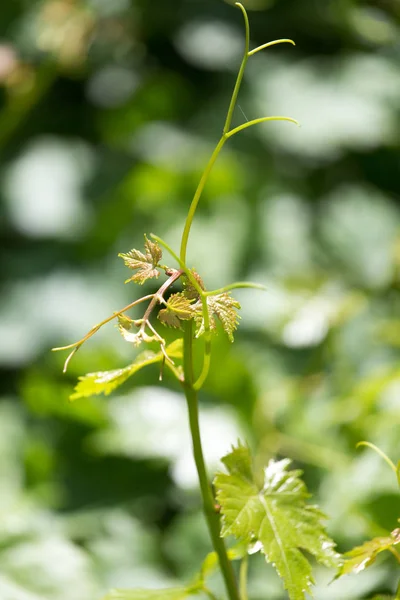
point(200, 187)
point(381, 454)
point(207, 345)
point(196, 197)
point(95, 329)
point(395, 554)
point(243, 577)
point(234, 286)
point(206, 363)
point(177, 373)
point(211, 515)
point(209, 593)
point(268, 44)
point(180, 262)
point(241, 71)
point(260, 120)
point(159, 296)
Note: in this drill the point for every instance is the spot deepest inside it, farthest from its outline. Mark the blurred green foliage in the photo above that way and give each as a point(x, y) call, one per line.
point(108, 113)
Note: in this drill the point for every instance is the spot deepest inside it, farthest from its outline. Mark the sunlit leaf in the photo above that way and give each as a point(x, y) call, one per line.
point(146, 264)
point(361, 557)
point(175, 349)
point(223, 306)
point(105, 382)
point(179, 308)
point(178, 593)
point(274, 513)
point(189, 290)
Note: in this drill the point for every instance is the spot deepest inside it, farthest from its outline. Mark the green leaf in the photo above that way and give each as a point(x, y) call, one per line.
point(175, 349)
point(361, 557)
point(179, 308)
point(189, 290)
point(146, 264)
point(225, 307)
point(274, 515)
point(105, 382)
point(178, 593)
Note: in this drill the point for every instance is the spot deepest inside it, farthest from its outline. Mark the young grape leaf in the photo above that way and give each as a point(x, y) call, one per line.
point(274, 514)
point(361, 557)
point(105, 382)
point(189, 290)
point(178, 593)
point(179, 308)
point(146, 264)
point(225, 307)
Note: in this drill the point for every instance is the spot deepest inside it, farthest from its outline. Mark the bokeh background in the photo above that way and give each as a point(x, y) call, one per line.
point(109, 110)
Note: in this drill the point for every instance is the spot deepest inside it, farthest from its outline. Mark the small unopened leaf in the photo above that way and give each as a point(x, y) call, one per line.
point(223, 306)
point(274, 513)
point(179, 308)
point(178, 593)
point(105, 382)
point(145, 264)
point(189, 290)
point(125, 322)
point(169, 318)
point(361, 557)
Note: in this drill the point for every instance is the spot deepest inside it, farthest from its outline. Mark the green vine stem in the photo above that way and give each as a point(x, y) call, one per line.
point(244, 566)
point(192, 385)
point(238, 83)
point(211, 514)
